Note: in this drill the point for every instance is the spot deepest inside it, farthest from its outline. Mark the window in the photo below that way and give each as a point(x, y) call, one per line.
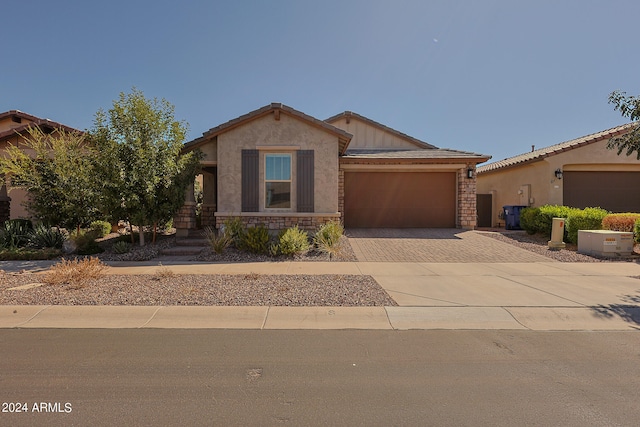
point(277, 178)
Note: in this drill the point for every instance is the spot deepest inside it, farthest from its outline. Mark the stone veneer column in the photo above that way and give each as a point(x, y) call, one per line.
point(467, 216)
point(185, 219)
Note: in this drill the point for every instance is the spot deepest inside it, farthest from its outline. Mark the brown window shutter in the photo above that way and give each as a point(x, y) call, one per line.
point(304, 180)
point(250, 180)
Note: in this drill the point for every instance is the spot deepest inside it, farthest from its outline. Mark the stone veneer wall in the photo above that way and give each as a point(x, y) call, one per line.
point(185, 219)
point(280, 222)
point(5, 208)
point(467, 217)
point(208, 216)
point(341, 193)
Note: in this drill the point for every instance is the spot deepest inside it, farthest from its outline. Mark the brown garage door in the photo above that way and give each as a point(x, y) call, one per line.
point(399, 199)
point(614, 191)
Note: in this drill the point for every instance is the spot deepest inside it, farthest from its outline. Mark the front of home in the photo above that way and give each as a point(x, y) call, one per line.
point(580, 173)
point(280, 167)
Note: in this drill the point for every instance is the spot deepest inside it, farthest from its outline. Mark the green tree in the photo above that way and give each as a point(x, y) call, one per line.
point(629, 106)
point(57, 170)
point(144, 173)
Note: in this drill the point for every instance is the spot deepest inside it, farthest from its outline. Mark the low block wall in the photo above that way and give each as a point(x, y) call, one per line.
point(272, 222)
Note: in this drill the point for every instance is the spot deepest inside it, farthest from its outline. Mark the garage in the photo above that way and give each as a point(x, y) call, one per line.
point(400, 199)
point(614, 191)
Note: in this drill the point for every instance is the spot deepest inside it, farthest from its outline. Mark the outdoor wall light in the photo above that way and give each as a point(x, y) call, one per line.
point(469, 173)
point(558, 173)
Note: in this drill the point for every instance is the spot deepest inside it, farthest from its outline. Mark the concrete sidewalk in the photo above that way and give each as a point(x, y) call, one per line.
point(536, 296)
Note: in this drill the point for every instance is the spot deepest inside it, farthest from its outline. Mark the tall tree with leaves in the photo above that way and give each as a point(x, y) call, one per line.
point(629, 106)
point(144, 173)
point(57, 170)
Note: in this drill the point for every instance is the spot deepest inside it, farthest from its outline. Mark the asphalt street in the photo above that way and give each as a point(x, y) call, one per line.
point(297, 377)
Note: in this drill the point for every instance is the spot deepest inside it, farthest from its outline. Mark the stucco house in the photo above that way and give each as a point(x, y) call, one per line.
point(279, 167)
point(581, 173)
point(14, 127)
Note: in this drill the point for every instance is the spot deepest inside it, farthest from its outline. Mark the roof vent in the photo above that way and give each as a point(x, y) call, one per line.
point(533, 148)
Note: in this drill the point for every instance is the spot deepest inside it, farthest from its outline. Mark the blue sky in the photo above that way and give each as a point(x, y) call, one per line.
point(492, 76)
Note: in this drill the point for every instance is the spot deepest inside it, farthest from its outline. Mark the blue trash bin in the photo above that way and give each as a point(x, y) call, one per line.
point(512, 216)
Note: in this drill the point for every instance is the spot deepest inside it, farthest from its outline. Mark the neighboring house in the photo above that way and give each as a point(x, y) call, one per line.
point(14, 126)
point(279, 167)
point(579, 173)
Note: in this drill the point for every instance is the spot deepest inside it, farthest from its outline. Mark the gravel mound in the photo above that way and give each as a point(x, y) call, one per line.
point(167, 289)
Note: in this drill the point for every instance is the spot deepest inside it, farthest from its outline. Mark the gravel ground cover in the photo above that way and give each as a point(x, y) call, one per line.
point(539, 244)
point(167, 289)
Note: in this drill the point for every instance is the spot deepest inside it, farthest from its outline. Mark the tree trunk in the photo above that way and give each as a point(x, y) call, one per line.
point(155, 229)
point(141, 232)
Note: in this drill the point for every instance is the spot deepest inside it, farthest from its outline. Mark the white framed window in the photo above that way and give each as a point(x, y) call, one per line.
point(277, 181)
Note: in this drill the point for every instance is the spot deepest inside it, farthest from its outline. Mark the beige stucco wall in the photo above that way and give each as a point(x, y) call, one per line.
point(7, 123)
point(289, 135)
point(367, 136)
point(509, 186)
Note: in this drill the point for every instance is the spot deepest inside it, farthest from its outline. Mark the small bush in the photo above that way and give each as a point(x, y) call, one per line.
point(121, 247)
point(544, 221)
point(164, 273)
point(218, 240)
point(46, 237)
point(234, 228)
point(75, 272)
point(86, 244)
point(327, 238)
point(100, 228)
point(529, 219)
point(636, 232)
point(293, 241)
point(583, 219)
point(256, 240)
point(620, 221)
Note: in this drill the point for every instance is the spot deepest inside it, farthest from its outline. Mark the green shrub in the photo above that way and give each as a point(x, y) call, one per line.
point(583, 219)
point(46, 237)
point(620, 221)
point(529, 219)
point(100, 228)
point(255, 239)
point(293, 241)
point(544, 220)
point(218, 240)
point(17, 233)
point(121, 247)
point(636, 232)
point(86, 243)
point(327, 238)
point(234, 228)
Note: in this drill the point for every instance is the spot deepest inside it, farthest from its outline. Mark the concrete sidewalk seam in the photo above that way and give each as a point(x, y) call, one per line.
point(266, 316)
point(512, 279)
point(32, 317)
point(150, 318)
point(517, 321)
point(388, 318)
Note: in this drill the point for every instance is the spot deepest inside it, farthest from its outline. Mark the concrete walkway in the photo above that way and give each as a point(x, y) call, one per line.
point(475, 295)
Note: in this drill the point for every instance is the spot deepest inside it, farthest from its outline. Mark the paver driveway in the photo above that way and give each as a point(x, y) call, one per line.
point(433, 245)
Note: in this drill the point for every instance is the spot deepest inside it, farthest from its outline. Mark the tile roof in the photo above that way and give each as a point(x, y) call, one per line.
point(552, 150)
point(33, 121)
point(427, 154)
point(343, 137)
point(349, 114)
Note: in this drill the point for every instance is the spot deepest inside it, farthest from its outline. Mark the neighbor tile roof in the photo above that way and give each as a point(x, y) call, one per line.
point(542, 153)
point(33, 121)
